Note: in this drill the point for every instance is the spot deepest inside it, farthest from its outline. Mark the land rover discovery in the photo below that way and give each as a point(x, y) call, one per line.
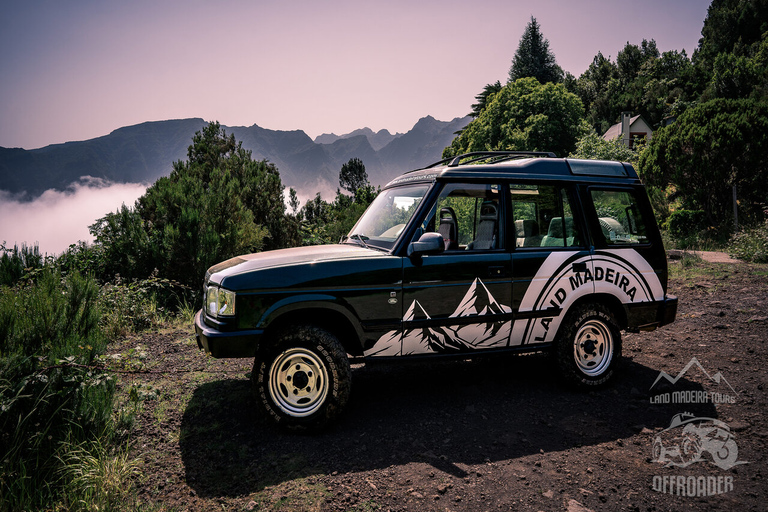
point(479, 254)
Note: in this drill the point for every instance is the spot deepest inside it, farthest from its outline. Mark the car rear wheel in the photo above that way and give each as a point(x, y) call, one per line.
point(302, 381)
point(588, 346)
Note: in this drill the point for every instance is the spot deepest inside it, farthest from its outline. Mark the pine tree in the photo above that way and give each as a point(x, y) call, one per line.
point(533, 57)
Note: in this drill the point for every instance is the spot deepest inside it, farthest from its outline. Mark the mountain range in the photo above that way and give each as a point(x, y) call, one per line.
point(145, 152)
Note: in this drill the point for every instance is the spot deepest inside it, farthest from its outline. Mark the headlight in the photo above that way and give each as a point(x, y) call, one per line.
point(219, 302)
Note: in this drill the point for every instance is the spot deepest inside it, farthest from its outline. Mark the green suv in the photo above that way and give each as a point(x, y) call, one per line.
point(479, 254)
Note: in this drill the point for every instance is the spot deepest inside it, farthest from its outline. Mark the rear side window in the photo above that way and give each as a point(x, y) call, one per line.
point(543, 216)
point(620, 218)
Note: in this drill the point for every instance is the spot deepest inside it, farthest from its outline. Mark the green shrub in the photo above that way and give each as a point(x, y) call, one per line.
point(750, 245)
point(51, 397)
point(134, 306)
point(687, 227)
point(14, 263)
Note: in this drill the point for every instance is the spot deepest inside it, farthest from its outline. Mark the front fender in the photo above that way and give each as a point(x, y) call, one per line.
point(307, 303)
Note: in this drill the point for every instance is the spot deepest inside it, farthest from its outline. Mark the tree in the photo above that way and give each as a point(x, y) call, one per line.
point(216, 205)
point(593, 147)
point(533, 57)
point(482, 98)
point(353, 175)
point(525, 115)
point(731, 26)
point(711, 148)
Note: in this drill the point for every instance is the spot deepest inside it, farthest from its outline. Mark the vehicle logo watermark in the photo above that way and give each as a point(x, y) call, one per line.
point(694, 396)
point(688, 440)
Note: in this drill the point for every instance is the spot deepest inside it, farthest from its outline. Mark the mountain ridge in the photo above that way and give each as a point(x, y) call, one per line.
point(144, 152)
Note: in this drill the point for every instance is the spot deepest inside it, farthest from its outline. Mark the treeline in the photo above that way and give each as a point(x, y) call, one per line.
point(706, 162)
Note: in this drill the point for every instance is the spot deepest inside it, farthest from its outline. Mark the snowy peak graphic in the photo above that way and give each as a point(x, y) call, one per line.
point(479, 301)
point(415, 312)
point(718, 377)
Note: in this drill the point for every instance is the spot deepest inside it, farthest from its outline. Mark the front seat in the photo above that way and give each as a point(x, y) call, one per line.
point(449, 228)
point(486, 228)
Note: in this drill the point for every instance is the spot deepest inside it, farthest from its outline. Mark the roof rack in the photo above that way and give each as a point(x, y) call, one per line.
point(496, 156)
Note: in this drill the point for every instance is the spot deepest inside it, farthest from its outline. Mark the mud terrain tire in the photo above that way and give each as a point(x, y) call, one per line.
point(588, 346)
point(302, 380)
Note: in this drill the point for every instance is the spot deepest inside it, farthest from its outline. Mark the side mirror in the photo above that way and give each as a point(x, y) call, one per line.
point(429, 243)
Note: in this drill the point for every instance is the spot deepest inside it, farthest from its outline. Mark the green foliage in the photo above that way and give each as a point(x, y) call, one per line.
point(353, 175)
point(524, 115)
point(321, 222)
point(99, 478)
point(216, 205)
point(133, 306)
point(687, 227)
point(712, 147)
point(47, 325)
point(731, 26)
point(14, 263)
point(533, 57)
point(593, 147)
point(750, 244)
point(641, 81)
point(483, 98)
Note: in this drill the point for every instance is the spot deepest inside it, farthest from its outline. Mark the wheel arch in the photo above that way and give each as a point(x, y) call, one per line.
point(331, 319)
point(612, 302)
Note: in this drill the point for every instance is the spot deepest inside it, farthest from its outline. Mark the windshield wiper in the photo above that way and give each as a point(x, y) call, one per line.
point(360, 239)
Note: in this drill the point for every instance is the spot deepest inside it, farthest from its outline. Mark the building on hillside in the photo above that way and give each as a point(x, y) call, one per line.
point(629, 129)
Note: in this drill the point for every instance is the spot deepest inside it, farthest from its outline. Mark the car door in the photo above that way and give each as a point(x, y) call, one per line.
point(551, 261)
point(460, 300)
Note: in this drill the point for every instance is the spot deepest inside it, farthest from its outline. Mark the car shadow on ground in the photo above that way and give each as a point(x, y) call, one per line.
point(449, 414)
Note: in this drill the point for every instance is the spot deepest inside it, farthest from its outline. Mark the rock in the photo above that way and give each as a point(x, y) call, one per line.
point(738, 426)
point(575, 506)
point(549, 494)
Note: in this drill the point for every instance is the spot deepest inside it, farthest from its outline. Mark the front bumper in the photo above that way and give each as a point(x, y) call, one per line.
point(226, 344)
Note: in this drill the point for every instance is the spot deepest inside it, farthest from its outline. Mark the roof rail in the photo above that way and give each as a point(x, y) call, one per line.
point(498, 156)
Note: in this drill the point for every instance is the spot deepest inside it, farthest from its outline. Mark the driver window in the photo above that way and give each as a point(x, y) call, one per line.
point(467, 216)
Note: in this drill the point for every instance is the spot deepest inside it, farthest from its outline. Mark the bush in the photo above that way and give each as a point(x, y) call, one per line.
point(687, 227)
point(750, 245)
point(15, 262)
point(51, 397)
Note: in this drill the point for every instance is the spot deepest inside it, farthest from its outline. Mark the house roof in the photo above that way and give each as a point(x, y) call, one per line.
point(614, 132)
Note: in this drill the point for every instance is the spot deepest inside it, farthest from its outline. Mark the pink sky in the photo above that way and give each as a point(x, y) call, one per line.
point(76, 70)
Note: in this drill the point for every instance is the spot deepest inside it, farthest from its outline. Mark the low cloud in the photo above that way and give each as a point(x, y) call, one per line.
point(57, 219)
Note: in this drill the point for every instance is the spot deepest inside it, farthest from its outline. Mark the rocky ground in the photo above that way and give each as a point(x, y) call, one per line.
point(491, 434)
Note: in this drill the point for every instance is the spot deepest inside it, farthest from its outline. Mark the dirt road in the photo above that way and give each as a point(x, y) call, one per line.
point(492, 434)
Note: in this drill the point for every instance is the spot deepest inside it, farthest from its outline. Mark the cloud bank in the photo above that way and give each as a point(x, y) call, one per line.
point(57, 219)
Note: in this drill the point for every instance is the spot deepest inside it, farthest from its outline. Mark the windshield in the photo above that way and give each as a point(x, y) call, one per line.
point(384, 221)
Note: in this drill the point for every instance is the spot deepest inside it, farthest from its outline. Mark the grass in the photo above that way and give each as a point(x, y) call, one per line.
point(99, 479)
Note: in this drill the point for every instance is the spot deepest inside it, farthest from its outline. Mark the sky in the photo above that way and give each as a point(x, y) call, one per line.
point(79, 69)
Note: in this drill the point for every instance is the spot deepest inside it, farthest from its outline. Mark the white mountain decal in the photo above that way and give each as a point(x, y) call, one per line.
point(478, 301)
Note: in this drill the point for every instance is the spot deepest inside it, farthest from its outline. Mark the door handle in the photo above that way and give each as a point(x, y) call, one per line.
point(580, 266)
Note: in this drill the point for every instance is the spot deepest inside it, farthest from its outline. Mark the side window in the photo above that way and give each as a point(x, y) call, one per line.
point(543, 216)
point(468, 216)
point(621, 221)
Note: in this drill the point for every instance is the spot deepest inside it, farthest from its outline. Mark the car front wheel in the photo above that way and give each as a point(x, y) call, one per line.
point(302, 381)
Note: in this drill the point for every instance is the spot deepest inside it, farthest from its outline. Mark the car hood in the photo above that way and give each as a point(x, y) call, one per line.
point(289, 258)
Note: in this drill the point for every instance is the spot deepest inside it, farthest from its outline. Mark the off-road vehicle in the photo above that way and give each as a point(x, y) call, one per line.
point(478, 254)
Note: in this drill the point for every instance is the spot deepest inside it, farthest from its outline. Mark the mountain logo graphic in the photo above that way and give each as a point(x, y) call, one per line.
point(477, 302)
point(718, 377)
